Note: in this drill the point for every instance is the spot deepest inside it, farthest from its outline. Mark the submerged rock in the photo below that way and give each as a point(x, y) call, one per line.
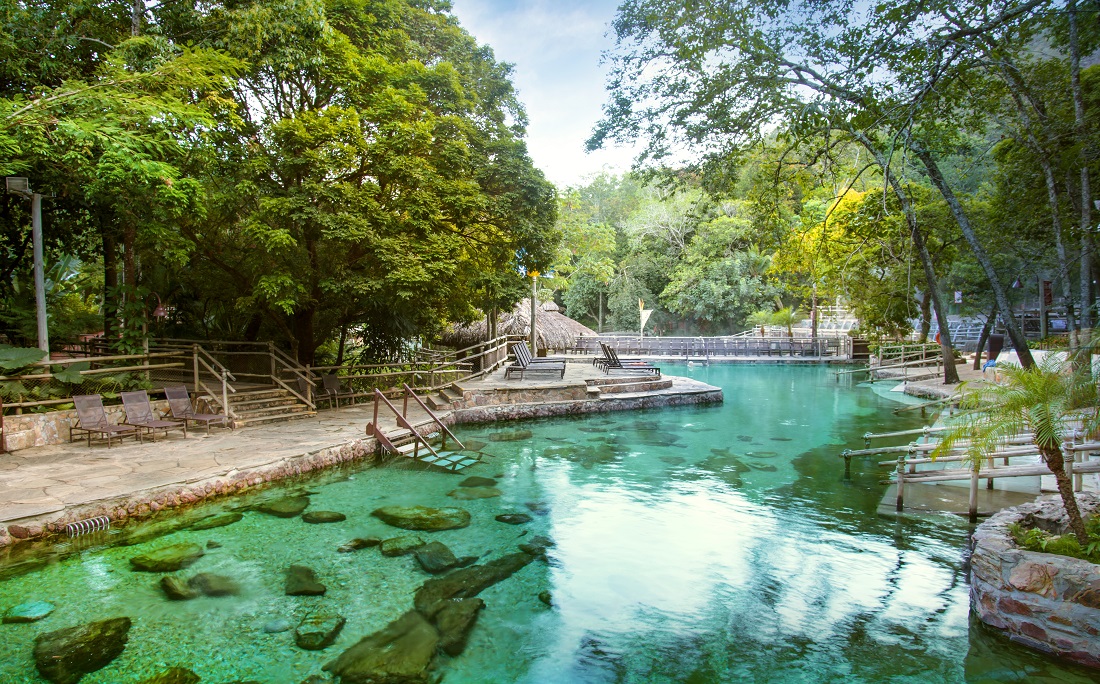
point(422, 517)
point(210, 584)
point(276, 626)
point(510, 436)
point(401, 546)
point(468, 493)
point(318, 630)
point(174, 675)
point(514, 518)
point(467, 582)
point(359, 543)
point(475, 445)
point(399, 653)
point(475, 481)
point(672, 460)
point(546, 598)
point(301, 581)
point(66, 655)
point(321, 517)
point(32, 611)
point(454, 622)
point(766, 467)
point(176, 589)
point(167, 559)
point(537, 545)
point(214, 521)
point(538, 507)
point(286, 507)
point(435, 557)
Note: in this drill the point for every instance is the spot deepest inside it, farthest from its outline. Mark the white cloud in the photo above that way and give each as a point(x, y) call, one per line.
point(555, 47)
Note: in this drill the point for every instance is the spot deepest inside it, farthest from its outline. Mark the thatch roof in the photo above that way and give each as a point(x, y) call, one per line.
point(554, 330)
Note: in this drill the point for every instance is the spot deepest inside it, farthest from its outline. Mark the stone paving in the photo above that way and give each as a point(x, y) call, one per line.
point(62, 483)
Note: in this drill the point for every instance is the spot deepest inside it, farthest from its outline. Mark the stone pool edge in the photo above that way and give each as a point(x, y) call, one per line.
point(145, 502)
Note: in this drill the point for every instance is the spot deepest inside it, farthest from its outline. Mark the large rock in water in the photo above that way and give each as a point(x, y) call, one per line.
point(435, 557)
point(286, 507)
point(300, 581)
point(468, 493)
point(454, 622)
point(215, 521)
point(318, 630)
point(210, 584)
point(423, 518)
point(173, 675)
point(66, 655)
point(322, 517)
point(399, 653)
point(167, 559)
point(32, 611)
point(400, 546)
point(467, 582)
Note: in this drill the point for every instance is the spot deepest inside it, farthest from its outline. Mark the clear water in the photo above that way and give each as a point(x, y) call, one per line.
point(711, 544)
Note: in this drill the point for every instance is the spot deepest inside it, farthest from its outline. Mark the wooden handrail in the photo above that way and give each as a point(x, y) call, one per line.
point(409, 392)
point(401, 420)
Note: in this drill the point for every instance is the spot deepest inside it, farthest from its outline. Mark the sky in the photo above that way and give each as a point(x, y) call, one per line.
point(555, 47)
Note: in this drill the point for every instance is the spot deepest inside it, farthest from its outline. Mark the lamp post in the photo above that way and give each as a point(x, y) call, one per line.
point(22, 187)
point(534, 306)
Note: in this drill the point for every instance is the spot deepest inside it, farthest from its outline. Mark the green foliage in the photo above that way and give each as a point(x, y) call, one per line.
point(18, 358)
point(1035, 539)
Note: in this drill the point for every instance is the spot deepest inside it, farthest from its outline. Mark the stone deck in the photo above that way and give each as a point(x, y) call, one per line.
point(43, 488)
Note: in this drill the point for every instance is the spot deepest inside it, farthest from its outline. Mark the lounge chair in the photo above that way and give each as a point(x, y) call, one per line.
point(179, 401)
point(613, 362)
point(523, 355)
point(540, 366)
point(92, 420)
point(139, 413)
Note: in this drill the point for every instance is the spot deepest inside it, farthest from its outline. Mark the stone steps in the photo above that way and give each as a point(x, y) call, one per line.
point(264, 406)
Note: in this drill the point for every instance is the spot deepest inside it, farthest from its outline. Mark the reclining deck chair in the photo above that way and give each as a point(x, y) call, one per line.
point(92, 420)
point(611, 361)
point(525, 364)
point(334, 390)
point(179, 401)
point(139, 413)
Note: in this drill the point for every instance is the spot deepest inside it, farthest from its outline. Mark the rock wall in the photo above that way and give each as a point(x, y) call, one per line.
point(1047, 602)
point(42, 429)
point(486, 413)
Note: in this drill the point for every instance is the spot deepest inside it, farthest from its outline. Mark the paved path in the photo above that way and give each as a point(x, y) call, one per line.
point(39, 483)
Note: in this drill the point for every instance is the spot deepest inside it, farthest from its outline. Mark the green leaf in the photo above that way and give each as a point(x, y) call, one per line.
point(71, 375)
point(14, 358)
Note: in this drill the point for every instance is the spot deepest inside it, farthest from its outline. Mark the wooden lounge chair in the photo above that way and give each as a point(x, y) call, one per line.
point(139, 413)
point(92, 420)
point(541, 366)
point(523, 355)
point(179, 401)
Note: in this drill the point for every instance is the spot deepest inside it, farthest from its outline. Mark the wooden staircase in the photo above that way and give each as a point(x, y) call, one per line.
point(265, 405)
point(414, 440)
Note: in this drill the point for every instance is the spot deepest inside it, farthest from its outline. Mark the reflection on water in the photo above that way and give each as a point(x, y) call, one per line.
point(712, 544)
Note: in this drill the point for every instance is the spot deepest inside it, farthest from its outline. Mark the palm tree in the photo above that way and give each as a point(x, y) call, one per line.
point(787, 316)
point(1046, 400)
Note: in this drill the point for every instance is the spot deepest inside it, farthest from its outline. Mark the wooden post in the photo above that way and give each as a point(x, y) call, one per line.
point(225, 394)
point(405, 405)
point(195, 364)
point(989, 482)
point(847, 464)
point(271, 356)
point(900, 505)
point(974, 495)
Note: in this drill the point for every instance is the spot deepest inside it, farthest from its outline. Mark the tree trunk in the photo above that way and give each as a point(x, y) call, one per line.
point(1054, 460)
point(1081, 129)
point(252, 329)
point(302, 324)
point(343, 340)
point(110, 286)
point(950, 372)
point(925, 316)
point(1019, 342)
point(984, 336)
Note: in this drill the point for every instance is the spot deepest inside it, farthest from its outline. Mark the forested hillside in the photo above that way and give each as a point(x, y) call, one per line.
point(307, 171)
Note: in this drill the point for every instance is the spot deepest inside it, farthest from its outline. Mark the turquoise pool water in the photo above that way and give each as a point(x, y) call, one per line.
point(709, 544)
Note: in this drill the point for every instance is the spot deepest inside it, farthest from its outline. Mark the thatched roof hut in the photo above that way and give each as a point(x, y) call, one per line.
point(554, 330)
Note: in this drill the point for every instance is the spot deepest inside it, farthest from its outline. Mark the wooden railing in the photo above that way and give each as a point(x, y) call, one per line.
point(403, 421)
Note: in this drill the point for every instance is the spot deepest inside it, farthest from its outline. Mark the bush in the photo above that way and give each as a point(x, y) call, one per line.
point(1034, 539)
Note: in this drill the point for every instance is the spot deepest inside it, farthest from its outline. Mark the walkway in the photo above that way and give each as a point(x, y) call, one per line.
point(62, 483)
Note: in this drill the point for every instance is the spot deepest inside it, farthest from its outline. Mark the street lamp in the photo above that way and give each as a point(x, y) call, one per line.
point(22, 187)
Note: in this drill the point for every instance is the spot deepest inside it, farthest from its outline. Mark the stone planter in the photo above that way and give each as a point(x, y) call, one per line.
point(1044, 601)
